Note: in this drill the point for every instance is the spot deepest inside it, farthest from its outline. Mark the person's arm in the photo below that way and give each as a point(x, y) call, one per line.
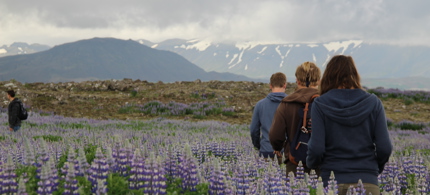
point(13, 115)
point(278, 128)
point(316, 145)
point(255, 128)
point(382, 139)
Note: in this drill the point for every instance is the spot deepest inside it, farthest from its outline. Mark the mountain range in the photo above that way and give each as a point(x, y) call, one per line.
point(403, 67)
point(104, 59)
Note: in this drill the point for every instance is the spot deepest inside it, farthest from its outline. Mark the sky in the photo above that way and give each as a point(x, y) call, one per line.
point(54, 22)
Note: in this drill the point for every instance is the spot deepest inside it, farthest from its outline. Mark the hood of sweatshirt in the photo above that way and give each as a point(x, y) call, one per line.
point(276, 97)
point(348, 107)
point(301, 95)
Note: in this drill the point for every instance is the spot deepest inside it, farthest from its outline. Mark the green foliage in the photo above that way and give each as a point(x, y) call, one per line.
point(84, 185)
point(127, 109)
point(228, 113)
point(49, 138)
point(2, 138)
point(408, 101)
point(90, 152)
point(29, 172)
point(407, 125)
point(117, 184)
point(62, 161)
point(174, 187)
point(133, 93)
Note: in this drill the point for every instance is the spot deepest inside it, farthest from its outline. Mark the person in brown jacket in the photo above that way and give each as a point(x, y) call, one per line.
point(286, 119)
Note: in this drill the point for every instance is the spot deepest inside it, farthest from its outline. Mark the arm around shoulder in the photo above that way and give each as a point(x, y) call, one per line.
point(278, 128)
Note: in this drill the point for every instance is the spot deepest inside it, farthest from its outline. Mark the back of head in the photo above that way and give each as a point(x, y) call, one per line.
point(308, 74)
point(278, 79)
point(340, 72)
point(11, 93)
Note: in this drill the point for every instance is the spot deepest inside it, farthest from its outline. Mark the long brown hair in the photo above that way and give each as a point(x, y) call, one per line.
point(340, 73)
point(308, 74)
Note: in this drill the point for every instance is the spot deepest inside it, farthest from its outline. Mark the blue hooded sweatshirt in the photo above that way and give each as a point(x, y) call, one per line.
point(349, 136)
point(262, 118)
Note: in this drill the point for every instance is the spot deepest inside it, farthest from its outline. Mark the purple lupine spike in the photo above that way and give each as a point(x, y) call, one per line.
point(313, 179)
point(136, 180)
point(111, 160)
point(300, 174)
point(360, 190)
point(98, 170)
point(8, 184)
point(153, 174)
point(21, 186)
point(70, 183)
point(242, 180)
point(82, 162)
point(45, 185)
point(217, 181)
point(332, 184)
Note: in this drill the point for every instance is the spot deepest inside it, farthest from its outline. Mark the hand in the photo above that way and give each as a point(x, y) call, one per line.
point(278, 153)
point(10, 129)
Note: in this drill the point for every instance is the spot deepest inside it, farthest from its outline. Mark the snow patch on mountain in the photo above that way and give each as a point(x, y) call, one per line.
point(196, 44)
point(262, 50)
point(336, 46)
point(2, 51)
point(312, 45)
point(154, 46)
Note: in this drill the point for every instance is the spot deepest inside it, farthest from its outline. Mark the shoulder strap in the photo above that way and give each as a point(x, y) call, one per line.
point(305, 113)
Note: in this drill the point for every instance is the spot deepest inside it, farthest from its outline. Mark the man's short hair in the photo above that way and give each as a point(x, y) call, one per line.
point(278, 79)
point(11, 93)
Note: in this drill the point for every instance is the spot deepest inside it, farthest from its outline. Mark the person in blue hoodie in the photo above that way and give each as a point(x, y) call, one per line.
point(349, 129)
point(263, 114)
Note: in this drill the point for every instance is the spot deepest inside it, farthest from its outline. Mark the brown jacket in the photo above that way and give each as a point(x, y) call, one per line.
point(286, 119)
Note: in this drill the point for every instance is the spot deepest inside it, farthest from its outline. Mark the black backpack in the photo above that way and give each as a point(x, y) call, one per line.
point(299, 145)
point(22, 115)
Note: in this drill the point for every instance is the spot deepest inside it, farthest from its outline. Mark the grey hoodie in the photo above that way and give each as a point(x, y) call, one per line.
point(262, 118)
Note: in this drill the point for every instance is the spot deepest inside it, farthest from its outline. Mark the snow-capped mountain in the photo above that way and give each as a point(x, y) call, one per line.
point(21, 48)
point(260, 60)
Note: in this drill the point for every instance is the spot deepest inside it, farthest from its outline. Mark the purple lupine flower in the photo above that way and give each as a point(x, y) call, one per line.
point(124, 159)
point(332, 184)
point(153, 176)
point(46, 183)
point(242, 180)
point(21, 186)
point(83, 165)
point(136, 180)
point(272, 181)
point(217, 181)
point(300, 174)
point(171, 164)
point(188, 170)
point(360, 190)
point(70, 183)
point(8, 184)
point(98, 170)
point(72, 161)
point(110, 160)
point(313, 179)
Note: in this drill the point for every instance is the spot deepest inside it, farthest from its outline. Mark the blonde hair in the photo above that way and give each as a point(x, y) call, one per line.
point(308, 74)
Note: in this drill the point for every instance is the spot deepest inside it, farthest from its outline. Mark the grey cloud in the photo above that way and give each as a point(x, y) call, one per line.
point(272, 20)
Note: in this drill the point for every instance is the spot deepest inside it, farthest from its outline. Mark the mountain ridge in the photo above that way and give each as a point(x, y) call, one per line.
point(103, 59)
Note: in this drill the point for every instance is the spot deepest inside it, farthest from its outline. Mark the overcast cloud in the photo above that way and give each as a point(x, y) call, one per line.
point(55, 22)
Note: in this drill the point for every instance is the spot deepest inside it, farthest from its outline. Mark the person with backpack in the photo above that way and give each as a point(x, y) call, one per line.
point(288, 118)
point(15, 112)
point(349, 134)
point(263, 114)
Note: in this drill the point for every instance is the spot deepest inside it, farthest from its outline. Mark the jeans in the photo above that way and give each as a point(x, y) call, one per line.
point(16, 128)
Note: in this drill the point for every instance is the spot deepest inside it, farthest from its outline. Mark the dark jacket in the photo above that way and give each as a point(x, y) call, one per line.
point(286, 118)
point(13, 111)
point(261, 121)
point(349, 136)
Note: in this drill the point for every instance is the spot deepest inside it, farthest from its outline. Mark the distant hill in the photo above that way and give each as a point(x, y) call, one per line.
point(21, 48)
point(103, 59)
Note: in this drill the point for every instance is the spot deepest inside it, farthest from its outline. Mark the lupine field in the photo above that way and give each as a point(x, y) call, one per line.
point(52, 154)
